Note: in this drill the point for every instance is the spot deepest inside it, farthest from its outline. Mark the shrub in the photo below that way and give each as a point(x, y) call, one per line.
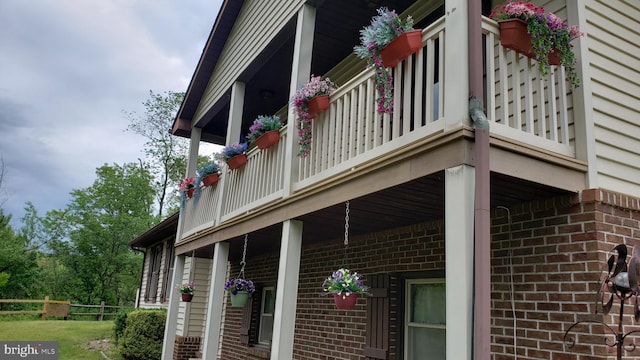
point(120, 322)
point(143, 335)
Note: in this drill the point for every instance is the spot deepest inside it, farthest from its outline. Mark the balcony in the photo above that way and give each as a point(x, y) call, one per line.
point(525, 111)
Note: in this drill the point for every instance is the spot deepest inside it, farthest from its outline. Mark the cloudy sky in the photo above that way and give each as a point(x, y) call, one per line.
point(68, 70)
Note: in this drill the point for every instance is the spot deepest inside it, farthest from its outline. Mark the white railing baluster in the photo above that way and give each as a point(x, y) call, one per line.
point(441, 79)
point(491, 76)
point(408, 99)
point(429, 91)
point(562, 104)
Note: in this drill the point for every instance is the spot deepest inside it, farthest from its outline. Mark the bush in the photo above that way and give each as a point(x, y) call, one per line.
point(143, 335)
point(120, 322)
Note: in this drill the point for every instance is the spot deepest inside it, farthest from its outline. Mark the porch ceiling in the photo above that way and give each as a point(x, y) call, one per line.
point(417, 201)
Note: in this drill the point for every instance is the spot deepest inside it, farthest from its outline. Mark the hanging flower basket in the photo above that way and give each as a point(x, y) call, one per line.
point(345, 286)
point(268, 139)
point(186, 297)
point(237, 161)
point(514, 35)
point(317, 105)
point(239, 299)
point(407, 43)
point(240, 290)
point(210, 179)
point(345, 301)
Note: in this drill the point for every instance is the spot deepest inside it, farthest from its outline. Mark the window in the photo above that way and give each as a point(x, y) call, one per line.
point(267, 307)
point(153, 274)
point(425, 324)
point(167, 271)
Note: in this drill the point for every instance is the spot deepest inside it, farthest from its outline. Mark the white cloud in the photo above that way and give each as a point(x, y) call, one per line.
point(69, 68)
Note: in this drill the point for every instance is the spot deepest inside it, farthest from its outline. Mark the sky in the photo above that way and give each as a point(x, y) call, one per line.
point(69, 69)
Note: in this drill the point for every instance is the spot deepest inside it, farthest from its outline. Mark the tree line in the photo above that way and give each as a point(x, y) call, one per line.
point(81, 252)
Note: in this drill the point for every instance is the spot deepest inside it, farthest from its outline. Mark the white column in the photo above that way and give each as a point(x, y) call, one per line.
point(171, 326)
point(458, 231)
point(300, 74)
point(287, 291)
point(234, 129)
point(234, 126)
point(194, 148)
point(456, 64)
point(216, 299)
point(583, 95)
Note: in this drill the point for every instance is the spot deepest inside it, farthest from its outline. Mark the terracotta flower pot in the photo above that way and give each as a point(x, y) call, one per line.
point(210, 179)
point(190, 192)
point(317, 105)
point(345, 302)
point(186, 297)
point(514, 35)
point(237, 161)
point(407, 43)
point(240, 299)
point(268, 139)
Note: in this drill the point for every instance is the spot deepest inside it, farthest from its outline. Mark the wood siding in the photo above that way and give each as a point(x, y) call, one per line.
point(256, 26)
point(613, 42)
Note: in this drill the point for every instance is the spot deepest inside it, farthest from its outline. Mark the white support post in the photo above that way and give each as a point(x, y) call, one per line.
point(583, 95)
point(194, 148)
point(234, 128)
point(300, 73)
point(456, 64)
point(216, 299)
point(459, 198)
point(171, 326)
point(287, 291)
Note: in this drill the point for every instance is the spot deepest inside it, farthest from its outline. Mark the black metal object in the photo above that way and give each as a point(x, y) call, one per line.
point(621, 282)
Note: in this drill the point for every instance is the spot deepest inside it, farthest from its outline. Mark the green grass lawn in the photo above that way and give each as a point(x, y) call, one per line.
point(76, 339)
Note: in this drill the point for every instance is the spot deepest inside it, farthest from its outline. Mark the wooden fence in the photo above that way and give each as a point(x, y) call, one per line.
point(61, 308)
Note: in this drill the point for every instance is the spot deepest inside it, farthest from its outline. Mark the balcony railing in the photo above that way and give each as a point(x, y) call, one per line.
point(521, 106)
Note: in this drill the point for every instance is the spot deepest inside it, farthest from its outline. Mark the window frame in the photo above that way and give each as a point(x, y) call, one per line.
point(263, 314)
point(408, 282)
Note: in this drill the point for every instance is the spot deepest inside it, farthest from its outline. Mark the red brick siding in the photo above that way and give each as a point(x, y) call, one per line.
point(558, 249)
point(186, 347)
point(322, 331)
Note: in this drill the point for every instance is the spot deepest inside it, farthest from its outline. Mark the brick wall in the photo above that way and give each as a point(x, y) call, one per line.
point(553, 251)
point(186, 347)
point(554, 257)
point(322, 331)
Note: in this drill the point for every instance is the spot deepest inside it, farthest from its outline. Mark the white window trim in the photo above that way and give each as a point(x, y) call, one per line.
point(407, 298)
point(262, 314)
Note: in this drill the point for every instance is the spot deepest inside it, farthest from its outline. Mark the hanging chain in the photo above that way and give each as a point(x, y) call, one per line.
point(244, 256)
point(346, 225)
point(346, 232)
point(193, 265)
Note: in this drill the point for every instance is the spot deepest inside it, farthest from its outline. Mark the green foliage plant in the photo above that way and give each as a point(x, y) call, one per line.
point(120, 323)
point(548, 33)
point(384, 28)
point(143, 335)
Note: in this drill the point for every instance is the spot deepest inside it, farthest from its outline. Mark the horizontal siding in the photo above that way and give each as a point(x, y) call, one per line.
point(614, 58)
point(257, 24)
point(198, 310)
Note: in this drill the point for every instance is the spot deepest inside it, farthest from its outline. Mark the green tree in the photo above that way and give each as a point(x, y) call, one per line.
point(165, 154)
point(98, 224)
point(19, 271)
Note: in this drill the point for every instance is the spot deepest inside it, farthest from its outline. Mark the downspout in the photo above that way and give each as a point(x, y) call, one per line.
point(144, 258)
point(482, 218)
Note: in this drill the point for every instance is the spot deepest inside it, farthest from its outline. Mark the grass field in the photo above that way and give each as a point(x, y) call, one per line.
point(77, 340)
